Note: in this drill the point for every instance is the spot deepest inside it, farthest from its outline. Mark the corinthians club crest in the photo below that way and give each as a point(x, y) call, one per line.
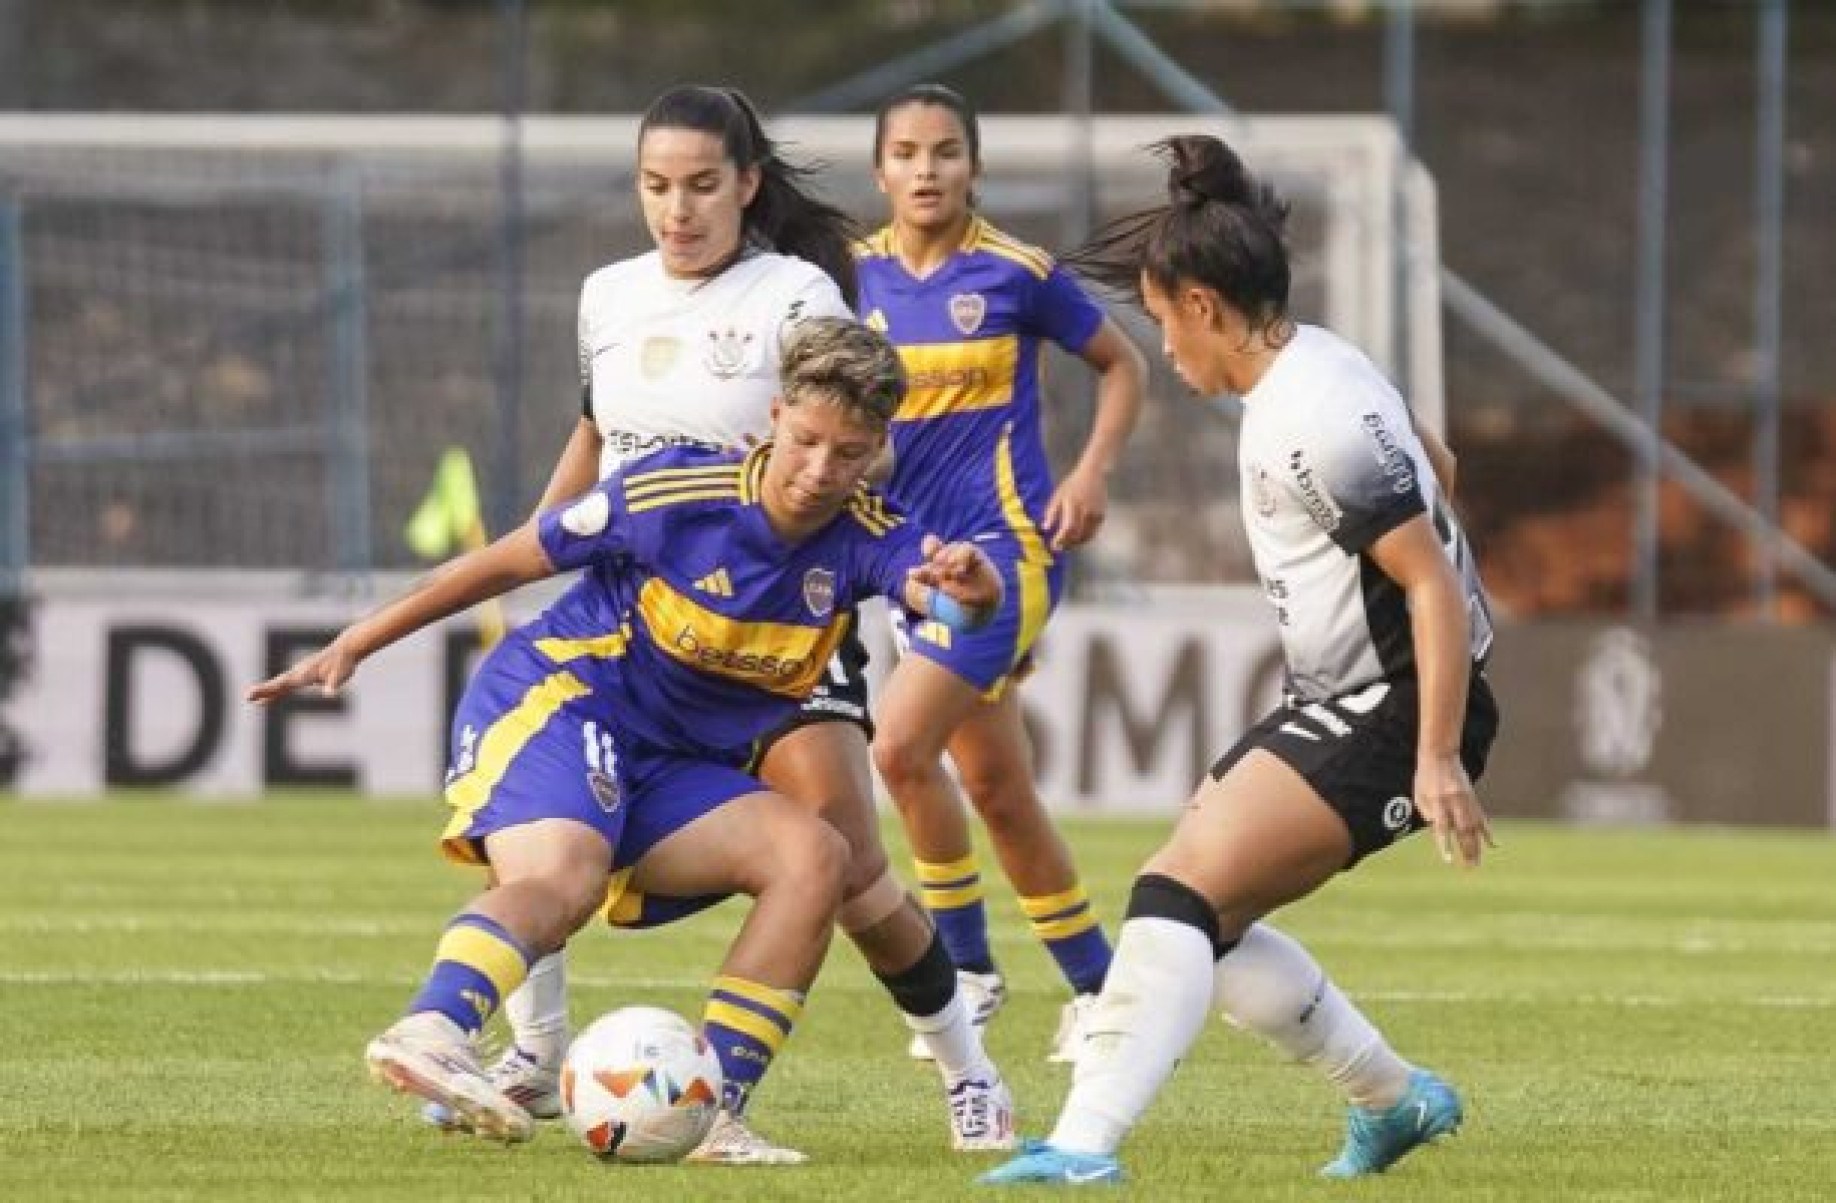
point(967, 309)
point(819, 591)
point(729, 352)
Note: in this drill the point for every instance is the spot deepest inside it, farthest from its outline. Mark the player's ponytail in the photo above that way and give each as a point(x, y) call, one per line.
point(783, 215)
point(1222, 228)
point(1201, 169)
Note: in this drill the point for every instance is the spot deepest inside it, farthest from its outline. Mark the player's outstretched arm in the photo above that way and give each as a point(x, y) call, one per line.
point(516, 559)
point(957, 585)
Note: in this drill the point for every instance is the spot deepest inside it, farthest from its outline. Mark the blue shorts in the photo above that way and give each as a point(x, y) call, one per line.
point(991, 656)
point(530, 742)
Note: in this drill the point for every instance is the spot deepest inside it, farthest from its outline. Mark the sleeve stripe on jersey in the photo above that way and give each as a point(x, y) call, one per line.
point(664, 479)
point(875, 504)
point(873, 516)
point(1030, 257)
point(708, 493)
point(752, 474)
point(876, 245)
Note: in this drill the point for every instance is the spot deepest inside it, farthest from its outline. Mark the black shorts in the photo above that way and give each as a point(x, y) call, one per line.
point(841, 696)
point(1358, 753)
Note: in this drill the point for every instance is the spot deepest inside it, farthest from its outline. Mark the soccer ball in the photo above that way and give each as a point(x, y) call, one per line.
point(640, 1085)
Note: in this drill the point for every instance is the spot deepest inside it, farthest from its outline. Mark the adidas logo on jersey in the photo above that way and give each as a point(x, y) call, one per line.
point(716, 583)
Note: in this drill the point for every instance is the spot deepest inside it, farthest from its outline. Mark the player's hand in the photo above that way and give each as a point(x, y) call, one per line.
point(1077, 509)
point(328, 668)
point(1444, 797)
point(961, 571)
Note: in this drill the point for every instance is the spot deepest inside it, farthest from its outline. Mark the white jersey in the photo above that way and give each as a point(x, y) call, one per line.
point(1330, 463)
point(666, 361)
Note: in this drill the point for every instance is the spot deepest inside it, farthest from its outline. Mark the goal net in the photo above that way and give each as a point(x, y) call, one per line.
point(244, 341)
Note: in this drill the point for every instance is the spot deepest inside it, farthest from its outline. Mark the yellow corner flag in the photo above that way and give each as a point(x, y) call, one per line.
point(449, 518)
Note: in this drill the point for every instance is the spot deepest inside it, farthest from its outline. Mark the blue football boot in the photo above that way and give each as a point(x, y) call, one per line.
point(1377, 1140)
point(1039, 1164)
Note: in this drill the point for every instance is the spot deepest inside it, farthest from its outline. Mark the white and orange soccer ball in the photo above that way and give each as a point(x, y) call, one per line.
point(640, 1085)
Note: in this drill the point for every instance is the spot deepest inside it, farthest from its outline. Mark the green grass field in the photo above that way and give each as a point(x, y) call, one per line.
point(185, 991)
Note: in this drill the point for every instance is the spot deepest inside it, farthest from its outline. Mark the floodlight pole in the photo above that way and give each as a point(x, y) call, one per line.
point(15, 428)
point(1768, 219)
point(1648, 375)
point(506, 491)
point(1399, 98)
point(1399, 68)
point(1080, 102)
point(347, 428)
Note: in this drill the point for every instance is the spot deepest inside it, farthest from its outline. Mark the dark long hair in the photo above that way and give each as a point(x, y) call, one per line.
point(783, 215)
point(1221, 228)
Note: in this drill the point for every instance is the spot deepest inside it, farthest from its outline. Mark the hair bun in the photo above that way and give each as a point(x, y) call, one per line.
point(1201, 168)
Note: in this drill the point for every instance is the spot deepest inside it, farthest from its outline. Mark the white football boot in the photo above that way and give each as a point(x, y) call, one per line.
point(981, 1112)
point(731, 1142)
point(429, 1055)
point(522, 1078)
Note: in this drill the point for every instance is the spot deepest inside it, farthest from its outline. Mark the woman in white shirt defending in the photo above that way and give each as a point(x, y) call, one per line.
point(1387, 718)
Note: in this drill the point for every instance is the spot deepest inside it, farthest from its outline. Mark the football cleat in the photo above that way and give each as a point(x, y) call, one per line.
point(1039, 1164)
point(982, 993)
point(524, 1080)
point(427, 1054)
point(1073, 1022)
point(731, 1142)
point(981, 1113)
point(1376, 1140)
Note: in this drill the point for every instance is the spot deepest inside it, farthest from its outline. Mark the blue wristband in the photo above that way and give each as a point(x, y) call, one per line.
point(954, 614)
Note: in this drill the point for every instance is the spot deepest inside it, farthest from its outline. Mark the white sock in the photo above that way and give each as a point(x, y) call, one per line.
point(1153, 1006)
point(1270, 985)
point(537, 1010)
point(954, 1042)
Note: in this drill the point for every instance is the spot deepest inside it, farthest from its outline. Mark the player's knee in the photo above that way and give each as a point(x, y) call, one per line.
point(1157, 896)
point(855, 819)
point(560, 904)
point(902, 759)
point(815, 861)
point(1267, 984)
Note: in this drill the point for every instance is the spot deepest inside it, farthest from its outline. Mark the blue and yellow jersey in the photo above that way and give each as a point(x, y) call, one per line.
point(694, 621)
point(970, 456)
